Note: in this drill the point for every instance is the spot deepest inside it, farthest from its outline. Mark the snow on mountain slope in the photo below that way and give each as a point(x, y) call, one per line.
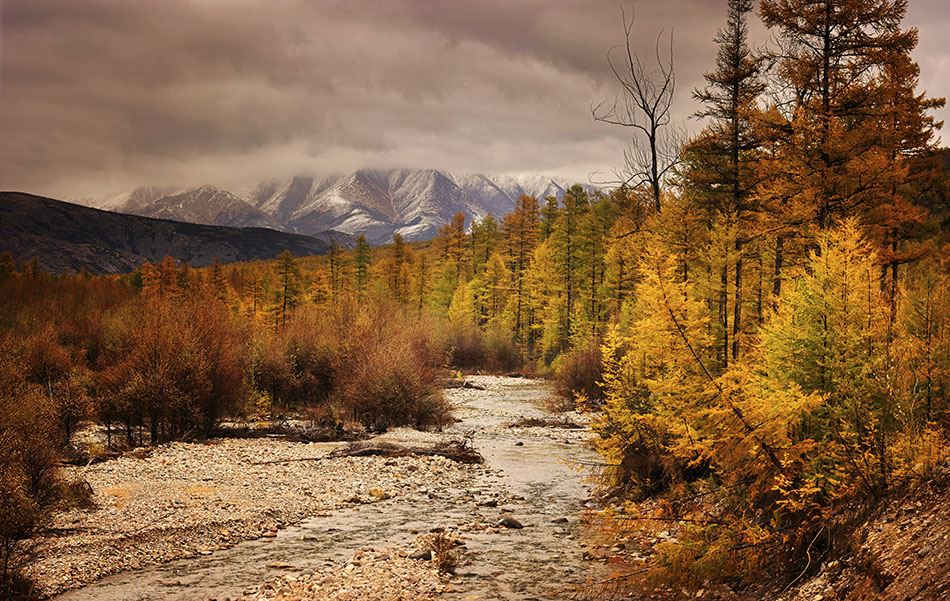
point(129, 202)
point(281, 199)
point(207, 205)
point(374, 202)
point(413, 203)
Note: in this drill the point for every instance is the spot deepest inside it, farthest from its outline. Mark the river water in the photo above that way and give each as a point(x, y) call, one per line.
point(537, 481)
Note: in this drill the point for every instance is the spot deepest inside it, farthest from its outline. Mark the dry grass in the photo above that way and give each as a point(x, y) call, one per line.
point(448, 552)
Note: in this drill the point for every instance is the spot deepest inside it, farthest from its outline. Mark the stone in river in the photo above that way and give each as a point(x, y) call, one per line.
point(510, 522)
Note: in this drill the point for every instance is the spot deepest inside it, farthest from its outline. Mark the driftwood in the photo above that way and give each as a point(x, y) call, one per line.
point(537, 422)
point(453, 383)
point(290, 433)
point(456, 450)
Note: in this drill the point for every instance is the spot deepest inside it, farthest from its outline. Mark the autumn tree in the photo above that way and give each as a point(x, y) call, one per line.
point(548, 214)
point(485, 237)
point(452, 241)
point(720, 163)
point(520, 229)
point(361, 262)
point(289, 290)
point(570, 247)
point(844, 64)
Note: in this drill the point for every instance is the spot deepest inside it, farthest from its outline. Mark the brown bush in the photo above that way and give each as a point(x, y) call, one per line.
point(390, 372)
point(579, 373)
point(297, 365)
point(501, 353)
point(448, 552)
point(493, 351)
point(466, 345)
point(29, 487)
point(174, 367)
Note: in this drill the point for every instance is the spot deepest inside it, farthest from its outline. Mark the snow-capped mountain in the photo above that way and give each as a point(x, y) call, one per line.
point(207, 205)
point(375, 203)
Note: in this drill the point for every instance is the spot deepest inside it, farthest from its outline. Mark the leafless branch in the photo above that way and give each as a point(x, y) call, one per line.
point(643, 104)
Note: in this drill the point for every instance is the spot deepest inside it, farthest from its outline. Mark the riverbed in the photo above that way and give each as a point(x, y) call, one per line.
point(534, 475)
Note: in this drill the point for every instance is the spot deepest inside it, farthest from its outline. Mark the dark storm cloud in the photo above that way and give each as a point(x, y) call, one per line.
point(99, 95)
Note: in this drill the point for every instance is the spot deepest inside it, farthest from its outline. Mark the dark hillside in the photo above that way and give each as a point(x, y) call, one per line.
point(67, 237)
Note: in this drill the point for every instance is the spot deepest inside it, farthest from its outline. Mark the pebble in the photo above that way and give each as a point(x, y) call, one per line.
point(187, 499)
point(510, 522)
point(397, 578)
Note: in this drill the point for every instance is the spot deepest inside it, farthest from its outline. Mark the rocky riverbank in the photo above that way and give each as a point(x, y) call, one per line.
point(186, 499)
point(372, 573)
point(329, 527)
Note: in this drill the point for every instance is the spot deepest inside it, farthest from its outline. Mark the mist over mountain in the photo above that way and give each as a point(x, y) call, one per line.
point(375, 203)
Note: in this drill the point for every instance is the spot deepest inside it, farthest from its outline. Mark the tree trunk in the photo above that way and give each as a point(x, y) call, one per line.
point(737, 309)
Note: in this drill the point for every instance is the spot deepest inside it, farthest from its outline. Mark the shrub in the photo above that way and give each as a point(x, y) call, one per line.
point(466, 346)
point(28, 476)
point(493, 350)
point(175, 367)
point(579, 373)
point(390, 372)
point(448, 553)
point(501, 352)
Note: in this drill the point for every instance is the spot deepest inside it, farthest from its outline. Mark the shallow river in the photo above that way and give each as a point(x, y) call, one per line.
point(538, 482)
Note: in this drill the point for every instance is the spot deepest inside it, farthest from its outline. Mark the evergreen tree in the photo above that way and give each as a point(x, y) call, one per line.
point(288, 276)
point(219, 282)
point(549, 213)
point(336, 270)
point(570, 247)
point(361, 261)
point(719, 165)
point(521, 238)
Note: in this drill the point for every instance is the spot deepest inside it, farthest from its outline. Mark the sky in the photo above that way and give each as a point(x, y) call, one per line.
point(100, 96)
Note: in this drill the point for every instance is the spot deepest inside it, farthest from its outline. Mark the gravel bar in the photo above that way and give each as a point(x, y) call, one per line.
point(190, 499)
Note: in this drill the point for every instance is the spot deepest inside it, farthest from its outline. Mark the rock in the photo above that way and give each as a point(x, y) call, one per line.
point(378, 493)
point(487, 502)
point(423, 554)
point(519, 444)
point(510, 522)
point(559, 520)
point(925, 551)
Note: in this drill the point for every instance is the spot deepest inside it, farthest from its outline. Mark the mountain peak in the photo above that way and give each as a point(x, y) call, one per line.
point(377, 203)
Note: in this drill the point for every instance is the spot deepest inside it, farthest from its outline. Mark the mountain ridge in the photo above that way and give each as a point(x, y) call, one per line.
point(377, 203)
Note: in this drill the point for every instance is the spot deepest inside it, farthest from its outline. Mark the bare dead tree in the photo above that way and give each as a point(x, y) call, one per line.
point(643, 104)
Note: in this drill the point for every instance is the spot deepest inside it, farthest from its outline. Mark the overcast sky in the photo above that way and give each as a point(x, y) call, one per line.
point(98, 96)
